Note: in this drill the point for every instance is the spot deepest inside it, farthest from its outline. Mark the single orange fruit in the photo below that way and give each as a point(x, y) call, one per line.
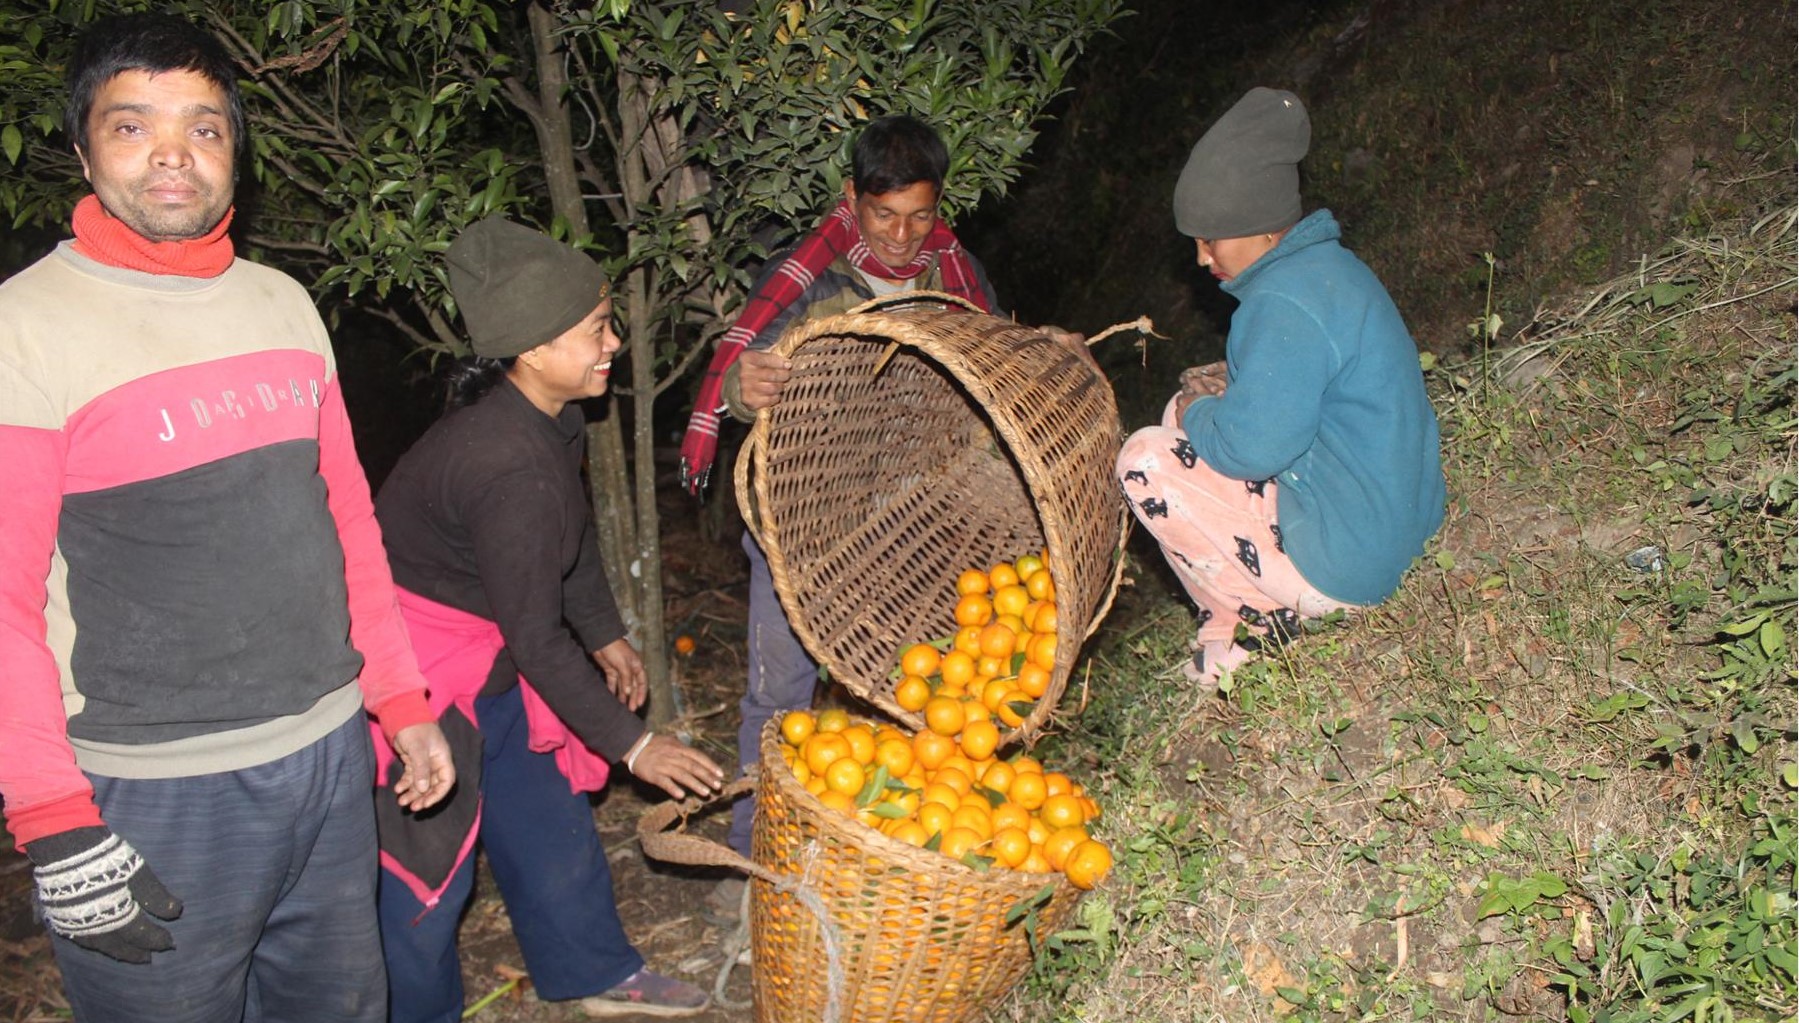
point(800, 770)
point(998, 776)
point(997, 692)
point(1027, 790)
point(912, 693)
point(1011, 600)
point(940, 792)
point(1060, 843)
point(943, 715)
point(1058, 811)
point(920, 659)
point(979, 739)
point(1011, 815)
point(1087, 864)
point(957, 669)
point(1040, 587)
point(1046, 618)
point(1043, 648)
point(862, 743)
point(1010, 847)
point(954, 778)
point(1025, 762)
point(1002, 575)
point(896, 756)
point(968, 640)
point(934, 817)
point(997, 640)
point(823, 749)
point(816, 785)
point(841, 802)
point(1035, 863)
point(974, 710)
point(974, 818)
point(972, 580)
point(990, 667)
point(1013, 712)
point(958, 842)
point(833, 719)
point(974, 609)
point(846, 776)
point(910, 832)
point(1058, 782)
point(957, 762)
point(1033, 680)
point(797, 726)
point(932, 749)
point(684, 645)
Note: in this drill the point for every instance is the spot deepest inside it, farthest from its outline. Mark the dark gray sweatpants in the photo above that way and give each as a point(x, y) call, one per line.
point(275, 866)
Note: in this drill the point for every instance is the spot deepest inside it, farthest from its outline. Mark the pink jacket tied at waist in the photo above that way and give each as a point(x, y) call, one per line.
point(456, 650)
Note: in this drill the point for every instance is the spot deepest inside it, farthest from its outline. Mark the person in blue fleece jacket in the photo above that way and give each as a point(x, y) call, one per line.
point(1301, 475)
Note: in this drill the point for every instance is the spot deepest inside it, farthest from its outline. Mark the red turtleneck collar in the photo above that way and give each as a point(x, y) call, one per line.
point(102, 237)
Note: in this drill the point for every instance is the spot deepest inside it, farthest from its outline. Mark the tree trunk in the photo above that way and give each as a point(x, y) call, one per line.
point(629, 544)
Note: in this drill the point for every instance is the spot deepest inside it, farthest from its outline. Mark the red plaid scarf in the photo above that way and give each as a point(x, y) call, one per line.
point(837, 235)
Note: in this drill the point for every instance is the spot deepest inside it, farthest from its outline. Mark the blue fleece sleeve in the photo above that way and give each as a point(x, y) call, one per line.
point(1281, 359)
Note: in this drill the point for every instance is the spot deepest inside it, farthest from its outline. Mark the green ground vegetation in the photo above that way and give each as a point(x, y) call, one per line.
point(1553, 778)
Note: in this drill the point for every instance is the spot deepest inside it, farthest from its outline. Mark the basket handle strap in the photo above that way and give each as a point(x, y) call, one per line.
point(907, 298)
point(682, 847)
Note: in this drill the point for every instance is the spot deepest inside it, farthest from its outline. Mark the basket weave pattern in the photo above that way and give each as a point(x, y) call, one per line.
point(915, 937)
point(909, 445)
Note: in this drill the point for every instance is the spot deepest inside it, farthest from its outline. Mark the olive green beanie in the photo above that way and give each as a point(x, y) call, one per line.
point(1242, 178)
point(519, 288)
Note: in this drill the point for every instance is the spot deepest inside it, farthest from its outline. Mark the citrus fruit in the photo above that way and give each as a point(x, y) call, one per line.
point(1033, 680)
point(943, 715)
point(934, 818)
point(1011, 815)
point(957, 668)
point(1002, 575)
point(920, 659)
point(912, 693)
point(998, 776)
point(838, 801)
point(1087, 864)
point(1046, 618)
point(823, 749)
point(997, 640)
point(1057, 812)
point(1010, 846)
point(862, 743)
point(1058, 782)
point(1060, 843)
point(958, 842)
point(896, 756)
point(972, 580)
point(968, 640)
point(975, 819)
point(1027, 566)
point(1040, 587)
point(1043, 648)
point(1027, 790)
point(932, 749)
point(684, 644)
point(847, 776)
point(910, 832)
point(1011, 600)
point(974, 609)
point(979, 739)
point(797, 726)
point(833, 719)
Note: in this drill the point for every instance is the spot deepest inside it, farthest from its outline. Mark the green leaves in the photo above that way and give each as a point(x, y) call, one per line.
point(1505, 895)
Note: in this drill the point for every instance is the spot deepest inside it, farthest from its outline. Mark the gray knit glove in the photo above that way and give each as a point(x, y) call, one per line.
point(95, 890)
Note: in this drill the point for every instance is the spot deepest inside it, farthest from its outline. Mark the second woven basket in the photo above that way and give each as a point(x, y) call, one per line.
point(913, 443)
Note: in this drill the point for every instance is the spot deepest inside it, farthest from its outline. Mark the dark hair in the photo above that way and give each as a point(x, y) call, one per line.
point(155, 43)
point(897, 151)
point(471, 378)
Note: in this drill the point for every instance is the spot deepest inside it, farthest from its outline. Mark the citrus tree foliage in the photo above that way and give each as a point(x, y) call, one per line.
point(681, 141)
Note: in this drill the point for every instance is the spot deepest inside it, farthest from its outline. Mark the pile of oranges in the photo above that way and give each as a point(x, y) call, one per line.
point(948, 792)
point(944, 787)
point(1002, 652)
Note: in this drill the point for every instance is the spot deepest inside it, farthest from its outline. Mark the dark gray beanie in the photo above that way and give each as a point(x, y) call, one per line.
point(517, 287)
point(1242, 178)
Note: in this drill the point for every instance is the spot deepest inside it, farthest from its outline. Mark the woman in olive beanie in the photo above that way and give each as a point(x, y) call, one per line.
point(1301, 475)
point(490, 534)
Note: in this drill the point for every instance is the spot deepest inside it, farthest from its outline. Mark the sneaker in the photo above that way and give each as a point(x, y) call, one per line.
point(724, 903)
point(647, 994)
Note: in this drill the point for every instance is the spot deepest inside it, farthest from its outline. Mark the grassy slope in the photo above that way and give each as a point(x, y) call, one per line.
point(1539, 783)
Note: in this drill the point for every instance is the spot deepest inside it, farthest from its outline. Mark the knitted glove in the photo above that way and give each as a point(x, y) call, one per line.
point(95, 890)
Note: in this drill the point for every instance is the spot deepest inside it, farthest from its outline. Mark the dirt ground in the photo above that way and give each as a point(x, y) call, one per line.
point(707, 589)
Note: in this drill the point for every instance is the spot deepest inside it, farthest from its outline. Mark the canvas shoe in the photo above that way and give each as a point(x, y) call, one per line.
point(647, 994)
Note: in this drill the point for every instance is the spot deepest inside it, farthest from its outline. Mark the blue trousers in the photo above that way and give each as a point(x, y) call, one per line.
point(551, 870)
point(782, 678)
point(275, 867)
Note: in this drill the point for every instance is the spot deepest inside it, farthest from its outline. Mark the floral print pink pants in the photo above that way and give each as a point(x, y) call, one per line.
point(1222, 538)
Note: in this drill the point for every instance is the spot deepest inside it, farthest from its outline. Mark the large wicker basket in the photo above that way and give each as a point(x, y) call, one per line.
point(912, 443)
point(850, 926)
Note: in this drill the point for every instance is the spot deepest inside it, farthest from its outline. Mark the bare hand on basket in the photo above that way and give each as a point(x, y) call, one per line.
point(676, 768)
point(1199, 382)
point(1070, 339)
point(763, 377)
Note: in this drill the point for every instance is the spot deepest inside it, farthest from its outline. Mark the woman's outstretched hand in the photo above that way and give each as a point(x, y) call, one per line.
point(676, 768)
